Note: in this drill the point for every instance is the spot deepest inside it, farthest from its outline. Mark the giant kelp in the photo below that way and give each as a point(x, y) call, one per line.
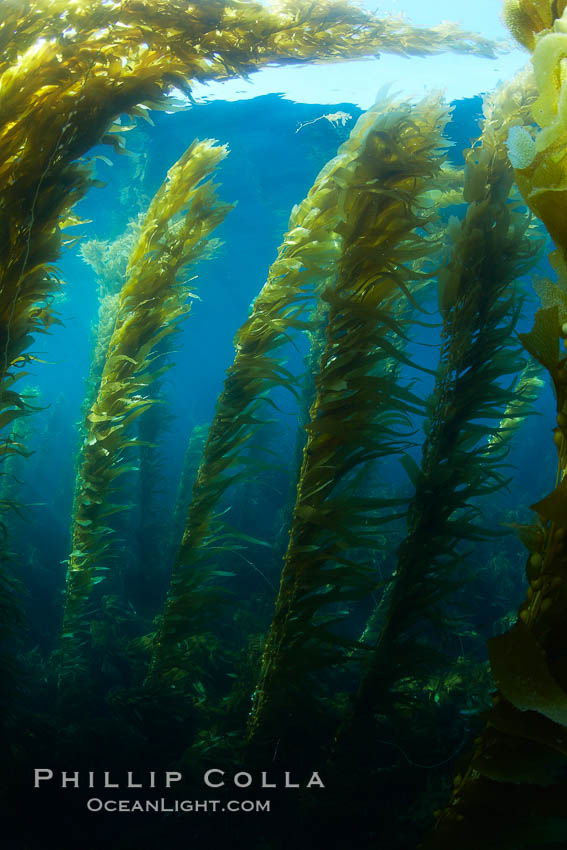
point(510, 791)
point(68, 71)
point(305, 259)
point(526, 18)
point(152, 302)
point(460, 460)
point(222, 38)
point(98, 60)
point(360, 410)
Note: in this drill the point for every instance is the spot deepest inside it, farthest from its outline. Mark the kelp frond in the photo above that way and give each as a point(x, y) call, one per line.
point(526, 18)
point(305, 260)
point(215, 39)
point(360, 411)
point(526, 392)
point(491, 248)
point(152, 302)
point(539, 156)
point(67, 73)
point(519, 761)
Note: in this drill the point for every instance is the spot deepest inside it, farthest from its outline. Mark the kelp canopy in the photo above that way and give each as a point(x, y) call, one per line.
point(361, 659)
point(67, 71)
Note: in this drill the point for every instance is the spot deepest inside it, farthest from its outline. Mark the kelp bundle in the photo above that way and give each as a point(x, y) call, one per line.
point(305, 260)
point(360, 410)
point(152, 302)
point(526, 18)
point(460, 462)
point(217, 39)
point(510, 792)
point(67, 71)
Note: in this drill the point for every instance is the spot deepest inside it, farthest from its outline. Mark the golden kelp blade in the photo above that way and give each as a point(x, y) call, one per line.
point(539, 157)
point(305, 260)
point(526, 392)
point(68, 70)
point(216, 39)
point(360, 411)
point(490, 248)
point(526, 18)
point(152, 302)
point(511, 789)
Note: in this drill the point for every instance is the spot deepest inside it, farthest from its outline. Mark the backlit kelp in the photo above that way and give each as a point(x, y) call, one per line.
point(152, 302)
point(460, 463)
point(218, 39)
point(510, 792)
point(350, 296)
point(526, 18)
point(67, 72)
point(305, 260)
point(526, 393)
point(360, 411)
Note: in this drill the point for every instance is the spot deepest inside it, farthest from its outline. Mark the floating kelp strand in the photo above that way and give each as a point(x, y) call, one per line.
point(359, 412)
point(151, 304)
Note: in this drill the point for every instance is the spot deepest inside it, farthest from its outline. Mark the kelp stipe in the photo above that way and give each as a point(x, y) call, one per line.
point(526, 18)
point(460, 462)
point(191, 461)
point(305, 260)
point(69, 71)
point(510, 793)
point(360, 411)
point(152, 302)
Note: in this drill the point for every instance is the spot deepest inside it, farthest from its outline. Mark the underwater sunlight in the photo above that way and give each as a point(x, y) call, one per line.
point(283, 319)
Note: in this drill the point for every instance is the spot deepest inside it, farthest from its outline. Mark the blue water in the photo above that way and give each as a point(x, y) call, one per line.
point(271, 166)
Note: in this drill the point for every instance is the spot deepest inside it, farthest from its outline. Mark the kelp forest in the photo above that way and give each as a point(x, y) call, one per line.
point(283, 399)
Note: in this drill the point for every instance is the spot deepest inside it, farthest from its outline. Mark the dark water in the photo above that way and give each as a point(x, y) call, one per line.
point(271, 167)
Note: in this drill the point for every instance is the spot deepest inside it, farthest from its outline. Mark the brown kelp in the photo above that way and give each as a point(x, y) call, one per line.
point(360, 411)
point(491, 248)
point(526, 18)
point(305, 259)
point(191, 461)
point(152, 302)
point(68, 71)
point(109, 261)
point(526, 392)
point(510, 791)
point(217, 39)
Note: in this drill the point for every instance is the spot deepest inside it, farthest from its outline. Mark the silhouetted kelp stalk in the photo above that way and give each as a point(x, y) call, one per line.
point(511, 791)
point(152, 302)
point(360, 411)
point(461, 462)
